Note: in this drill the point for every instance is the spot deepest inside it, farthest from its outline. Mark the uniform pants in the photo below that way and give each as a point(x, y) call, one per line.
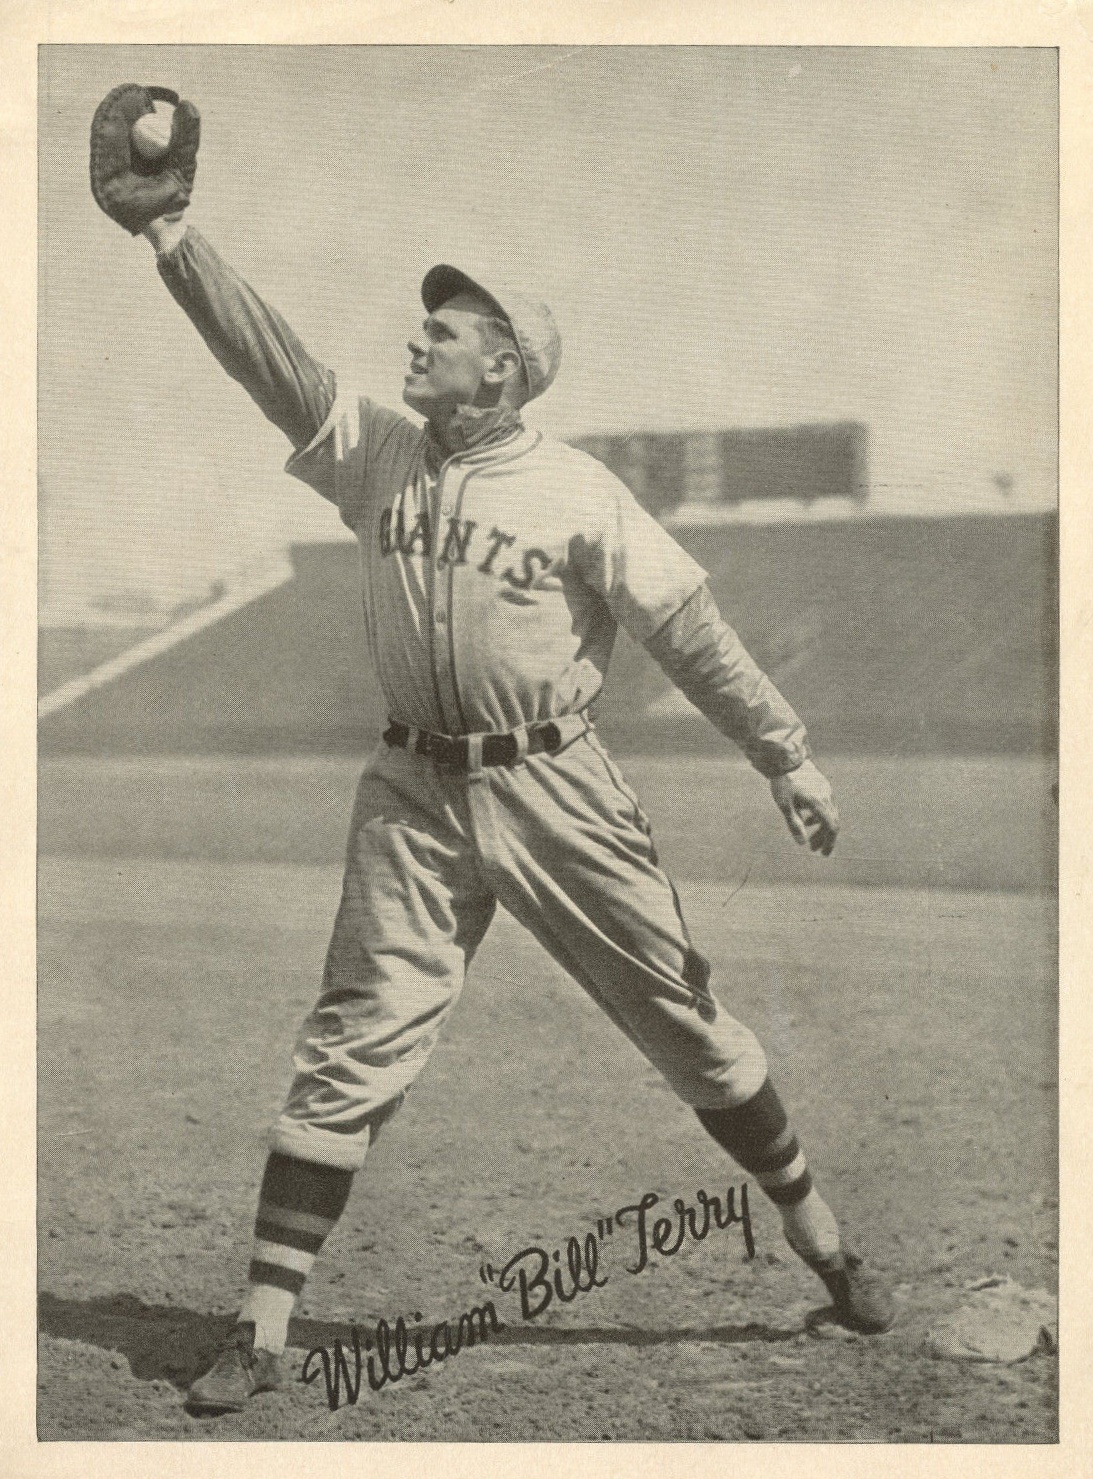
point(562, 842)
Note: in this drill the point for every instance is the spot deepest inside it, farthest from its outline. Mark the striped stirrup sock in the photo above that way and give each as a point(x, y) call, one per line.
point(299, 1204)
point(758, 1136)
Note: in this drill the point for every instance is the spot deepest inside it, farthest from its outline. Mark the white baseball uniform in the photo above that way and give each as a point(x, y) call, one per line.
point(493, 581)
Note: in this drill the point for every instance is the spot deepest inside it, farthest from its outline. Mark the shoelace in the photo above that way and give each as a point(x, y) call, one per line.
point(243, 1346)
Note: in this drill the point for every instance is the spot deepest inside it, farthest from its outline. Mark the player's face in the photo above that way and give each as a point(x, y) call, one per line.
point(448, 358)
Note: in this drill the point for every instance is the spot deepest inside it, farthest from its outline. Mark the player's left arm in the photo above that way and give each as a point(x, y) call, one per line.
point(707, 661)
point(660, 595)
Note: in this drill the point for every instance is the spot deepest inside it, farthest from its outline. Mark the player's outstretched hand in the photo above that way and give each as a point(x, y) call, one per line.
point(804, 798)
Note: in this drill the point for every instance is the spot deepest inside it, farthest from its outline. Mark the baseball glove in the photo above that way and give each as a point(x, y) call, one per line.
point(130, 191)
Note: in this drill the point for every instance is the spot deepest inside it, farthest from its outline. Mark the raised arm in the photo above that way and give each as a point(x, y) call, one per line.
point(249, 338)
point(148, 196)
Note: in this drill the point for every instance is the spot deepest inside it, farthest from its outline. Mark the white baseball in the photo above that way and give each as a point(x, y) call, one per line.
point(151, 134)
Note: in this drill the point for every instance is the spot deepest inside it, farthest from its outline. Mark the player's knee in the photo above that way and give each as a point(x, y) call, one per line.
point(748, 1071)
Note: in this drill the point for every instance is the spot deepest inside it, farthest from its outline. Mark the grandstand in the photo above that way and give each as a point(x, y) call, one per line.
point(891, 635)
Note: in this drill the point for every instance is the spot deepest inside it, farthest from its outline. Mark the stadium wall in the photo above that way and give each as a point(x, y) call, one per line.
point(890, 636)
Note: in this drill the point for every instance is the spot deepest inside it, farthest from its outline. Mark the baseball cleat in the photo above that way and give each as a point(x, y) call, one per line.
point(860, 1297)
point(239, 1373)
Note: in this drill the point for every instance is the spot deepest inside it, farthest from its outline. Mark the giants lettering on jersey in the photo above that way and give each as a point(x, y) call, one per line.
point(395, 537)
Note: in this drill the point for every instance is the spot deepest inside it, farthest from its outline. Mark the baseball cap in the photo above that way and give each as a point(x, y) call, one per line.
point(532, 323)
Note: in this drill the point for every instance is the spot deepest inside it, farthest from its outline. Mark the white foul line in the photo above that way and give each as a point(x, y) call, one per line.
point(272, 576)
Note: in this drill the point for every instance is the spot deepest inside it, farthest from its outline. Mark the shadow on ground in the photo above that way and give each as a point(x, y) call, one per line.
point(165, 1343)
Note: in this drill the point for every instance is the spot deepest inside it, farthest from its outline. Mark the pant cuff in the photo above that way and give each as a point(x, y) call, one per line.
point(323, 1147)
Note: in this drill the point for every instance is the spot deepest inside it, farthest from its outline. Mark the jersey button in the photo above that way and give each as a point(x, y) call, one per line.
point(440, 618)
point(448, 510)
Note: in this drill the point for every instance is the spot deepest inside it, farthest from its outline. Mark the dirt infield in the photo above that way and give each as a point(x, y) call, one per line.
point(912, 1032)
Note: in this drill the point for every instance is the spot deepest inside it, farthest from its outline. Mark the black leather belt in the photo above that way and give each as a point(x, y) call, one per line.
point(454, 751)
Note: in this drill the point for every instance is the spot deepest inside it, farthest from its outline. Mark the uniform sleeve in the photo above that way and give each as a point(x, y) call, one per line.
point(632, 562)
point(328, 424)
point(708, 663)
point(251, 340)
point(339, 460)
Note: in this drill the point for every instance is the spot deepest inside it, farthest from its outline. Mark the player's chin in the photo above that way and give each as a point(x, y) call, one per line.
point(416, 393)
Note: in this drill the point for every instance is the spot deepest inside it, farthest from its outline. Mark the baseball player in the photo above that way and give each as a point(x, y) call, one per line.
point(497, 565)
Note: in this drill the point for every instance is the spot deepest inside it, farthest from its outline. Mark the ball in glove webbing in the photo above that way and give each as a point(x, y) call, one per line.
point(130, 187)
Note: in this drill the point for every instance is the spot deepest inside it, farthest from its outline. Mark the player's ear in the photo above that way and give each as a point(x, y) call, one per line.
point(505, 365)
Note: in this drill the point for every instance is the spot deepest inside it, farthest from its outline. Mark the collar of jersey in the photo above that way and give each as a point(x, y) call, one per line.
point(478, 431)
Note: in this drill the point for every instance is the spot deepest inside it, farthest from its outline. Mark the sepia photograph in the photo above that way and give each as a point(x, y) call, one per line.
point(548, 732)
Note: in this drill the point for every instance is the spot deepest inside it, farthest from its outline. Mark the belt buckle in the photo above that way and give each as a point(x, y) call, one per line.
point(449, 751)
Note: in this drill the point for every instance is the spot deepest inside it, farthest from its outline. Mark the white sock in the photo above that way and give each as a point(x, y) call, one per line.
point(810, 1227)
point(270, 1308)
